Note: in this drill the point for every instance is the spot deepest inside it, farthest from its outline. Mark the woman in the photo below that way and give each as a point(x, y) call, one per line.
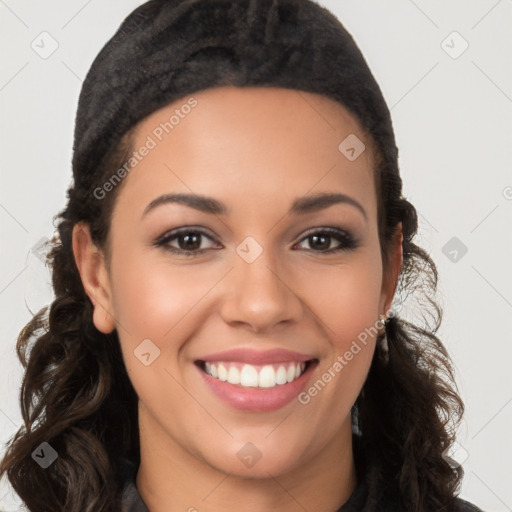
point(224, 333)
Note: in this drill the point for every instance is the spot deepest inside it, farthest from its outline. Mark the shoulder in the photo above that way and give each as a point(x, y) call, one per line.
point(131, 500)
point(465, 506)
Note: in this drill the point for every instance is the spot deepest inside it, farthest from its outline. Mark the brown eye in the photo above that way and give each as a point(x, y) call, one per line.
point(321, 240)
point(186, 241)
point(189, 241)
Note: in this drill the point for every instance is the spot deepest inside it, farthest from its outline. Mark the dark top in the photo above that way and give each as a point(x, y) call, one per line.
point(132, 502)
point(358, 501)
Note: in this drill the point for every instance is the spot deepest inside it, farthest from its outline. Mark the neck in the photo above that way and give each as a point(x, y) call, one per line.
point(171, 478)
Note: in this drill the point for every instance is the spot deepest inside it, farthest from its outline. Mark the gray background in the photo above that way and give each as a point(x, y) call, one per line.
point(452, 117)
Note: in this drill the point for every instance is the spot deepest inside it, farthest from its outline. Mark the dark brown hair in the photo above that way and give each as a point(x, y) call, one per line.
point(76, 394)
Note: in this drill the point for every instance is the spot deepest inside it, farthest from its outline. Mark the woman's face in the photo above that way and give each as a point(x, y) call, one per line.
point(256, 292)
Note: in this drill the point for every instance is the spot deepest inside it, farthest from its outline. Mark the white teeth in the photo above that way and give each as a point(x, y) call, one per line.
point(222, 372)
point(234, 375)
point(281, 375)
point(267, 376)
point(248, 376)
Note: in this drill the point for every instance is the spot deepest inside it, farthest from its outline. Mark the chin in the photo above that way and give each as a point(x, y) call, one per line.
point(257, 459)
point(264, 468)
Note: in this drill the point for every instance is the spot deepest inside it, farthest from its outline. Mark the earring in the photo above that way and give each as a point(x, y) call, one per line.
point(384, 338)
point(383, 320)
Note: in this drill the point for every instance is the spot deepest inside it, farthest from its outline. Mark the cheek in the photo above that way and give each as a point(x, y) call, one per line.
point(158, 302)
point(345, 296)
point(345, 300)
point(150, 298)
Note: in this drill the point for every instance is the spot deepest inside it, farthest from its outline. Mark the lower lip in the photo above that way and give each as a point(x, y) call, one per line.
point(258, 399)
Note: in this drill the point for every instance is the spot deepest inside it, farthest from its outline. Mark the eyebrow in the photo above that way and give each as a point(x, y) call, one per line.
point(307, 204)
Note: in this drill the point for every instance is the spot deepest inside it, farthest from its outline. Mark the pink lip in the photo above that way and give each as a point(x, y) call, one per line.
point(258, 399)
point(255, 357)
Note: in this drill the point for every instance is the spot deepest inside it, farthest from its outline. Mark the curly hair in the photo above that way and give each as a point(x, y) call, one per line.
point(76, 393)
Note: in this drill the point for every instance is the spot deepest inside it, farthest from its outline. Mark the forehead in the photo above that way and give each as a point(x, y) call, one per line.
point(251, 144)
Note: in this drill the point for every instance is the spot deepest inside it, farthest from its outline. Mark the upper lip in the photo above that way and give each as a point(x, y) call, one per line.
point(251, 356)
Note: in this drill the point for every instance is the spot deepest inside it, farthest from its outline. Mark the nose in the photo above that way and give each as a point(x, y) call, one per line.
point(260, 295)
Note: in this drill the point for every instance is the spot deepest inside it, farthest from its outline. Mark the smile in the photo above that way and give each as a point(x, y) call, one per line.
point(261, 385)
point(254, 376)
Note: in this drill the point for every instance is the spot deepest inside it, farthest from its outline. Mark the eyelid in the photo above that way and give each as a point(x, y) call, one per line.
point(326, 229)
point(207, 232)
point(346, 240)
point(184, 229)
point(351, 241)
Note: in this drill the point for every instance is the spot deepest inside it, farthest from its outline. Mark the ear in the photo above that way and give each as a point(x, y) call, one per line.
point(391, 274)
point(93, 272)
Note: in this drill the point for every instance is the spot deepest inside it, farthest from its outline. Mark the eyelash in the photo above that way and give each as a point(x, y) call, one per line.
point(348, 242)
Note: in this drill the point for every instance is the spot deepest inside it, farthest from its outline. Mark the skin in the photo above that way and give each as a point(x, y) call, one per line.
point(256, 150)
